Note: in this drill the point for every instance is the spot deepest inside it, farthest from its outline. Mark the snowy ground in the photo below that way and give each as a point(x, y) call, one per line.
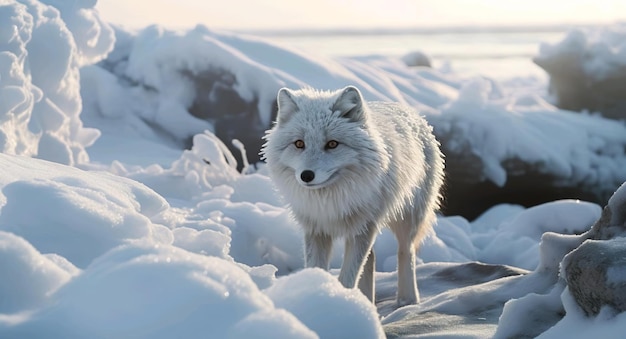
point(113, 230)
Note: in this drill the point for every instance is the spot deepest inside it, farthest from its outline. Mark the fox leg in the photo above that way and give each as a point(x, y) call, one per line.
point(367, 282)
point(407, 285)
point(317, 248)
point(356, 253)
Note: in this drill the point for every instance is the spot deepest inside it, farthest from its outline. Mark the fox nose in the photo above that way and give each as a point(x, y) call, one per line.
point(307, 175)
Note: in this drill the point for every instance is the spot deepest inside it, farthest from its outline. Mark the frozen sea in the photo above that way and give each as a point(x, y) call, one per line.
point(496, 52)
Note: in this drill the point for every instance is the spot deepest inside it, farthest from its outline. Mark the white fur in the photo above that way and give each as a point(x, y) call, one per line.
point(386, 171)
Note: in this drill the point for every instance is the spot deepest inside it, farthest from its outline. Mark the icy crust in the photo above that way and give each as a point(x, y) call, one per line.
point(41, 51)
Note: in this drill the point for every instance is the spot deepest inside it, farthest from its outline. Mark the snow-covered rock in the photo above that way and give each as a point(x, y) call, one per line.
point(168, 86)
point(588, 70)
point(596, 271)
point(417, 59)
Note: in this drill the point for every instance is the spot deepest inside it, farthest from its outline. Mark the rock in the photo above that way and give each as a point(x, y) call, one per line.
point(416, 59)
point(525, 185)
point(595, 272)
point(575, 91)
point(235, 118)
point(596, 275)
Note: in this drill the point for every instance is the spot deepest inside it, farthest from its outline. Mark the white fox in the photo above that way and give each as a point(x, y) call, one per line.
point(348, 167)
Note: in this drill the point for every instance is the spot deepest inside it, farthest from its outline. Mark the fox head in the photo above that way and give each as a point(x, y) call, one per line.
point(347, 103)
point(319, 137)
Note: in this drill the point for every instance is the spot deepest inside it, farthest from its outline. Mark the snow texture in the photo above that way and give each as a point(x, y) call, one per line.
point(41, 51)
point(136, 237)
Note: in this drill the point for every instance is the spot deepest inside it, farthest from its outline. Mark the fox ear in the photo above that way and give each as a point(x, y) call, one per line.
point(350, 104)
point(286, 105)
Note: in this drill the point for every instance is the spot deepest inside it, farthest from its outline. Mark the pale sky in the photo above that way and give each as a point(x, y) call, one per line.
point(278, 14)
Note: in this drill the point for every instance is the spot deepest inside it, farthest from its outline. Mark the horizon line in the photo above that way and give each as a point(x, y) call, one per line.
point(434, 30)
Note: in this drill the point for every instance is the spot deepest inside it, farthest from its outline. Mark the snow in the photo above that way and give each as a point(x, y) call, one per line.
point(329, 300)
point(496, 128)
point(523, 232)
point(601, 51)
point(42, 55)
point(575, 323)
point(109, 227)
point(155, 77)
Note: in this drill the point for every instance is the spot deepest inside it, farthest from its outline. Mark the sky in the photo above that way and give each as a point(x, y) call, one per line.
point(325, 14)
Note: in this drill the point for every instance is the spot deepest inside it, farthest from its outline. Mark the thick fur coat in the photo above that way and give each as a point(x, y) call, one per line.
point(346, 168)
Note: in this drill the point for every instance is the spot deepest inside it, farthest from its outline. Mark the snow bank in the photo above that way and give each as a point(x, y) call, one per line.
point(168, 86)
point(584, 149)
point(588, 69)
point(202, 79)
point(146, 269)
point(158, 291)
point(100, 210)
point(41, 104)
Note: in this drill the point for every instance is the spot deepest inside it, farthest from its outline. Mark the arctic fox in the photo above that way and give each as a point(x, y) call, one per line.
point(346, 168)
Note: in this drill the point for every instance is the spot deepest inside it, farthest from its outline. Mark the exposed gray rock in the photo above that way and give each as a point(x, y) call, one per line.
point(596, 275)
point(596, 271)
point(416, 59)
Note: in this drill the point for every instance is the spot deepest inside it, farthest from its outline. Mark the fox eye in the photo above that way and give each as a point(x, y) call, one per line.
point(299, 144)
point(332, 144)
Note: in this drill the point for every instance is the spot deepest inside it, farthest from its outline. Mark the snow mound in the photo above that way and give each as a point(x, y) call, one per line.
point(159, 291)
point(522, 232)
point(320, 302)
point(40, 91)
point(99, 210)
point(33, 277)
